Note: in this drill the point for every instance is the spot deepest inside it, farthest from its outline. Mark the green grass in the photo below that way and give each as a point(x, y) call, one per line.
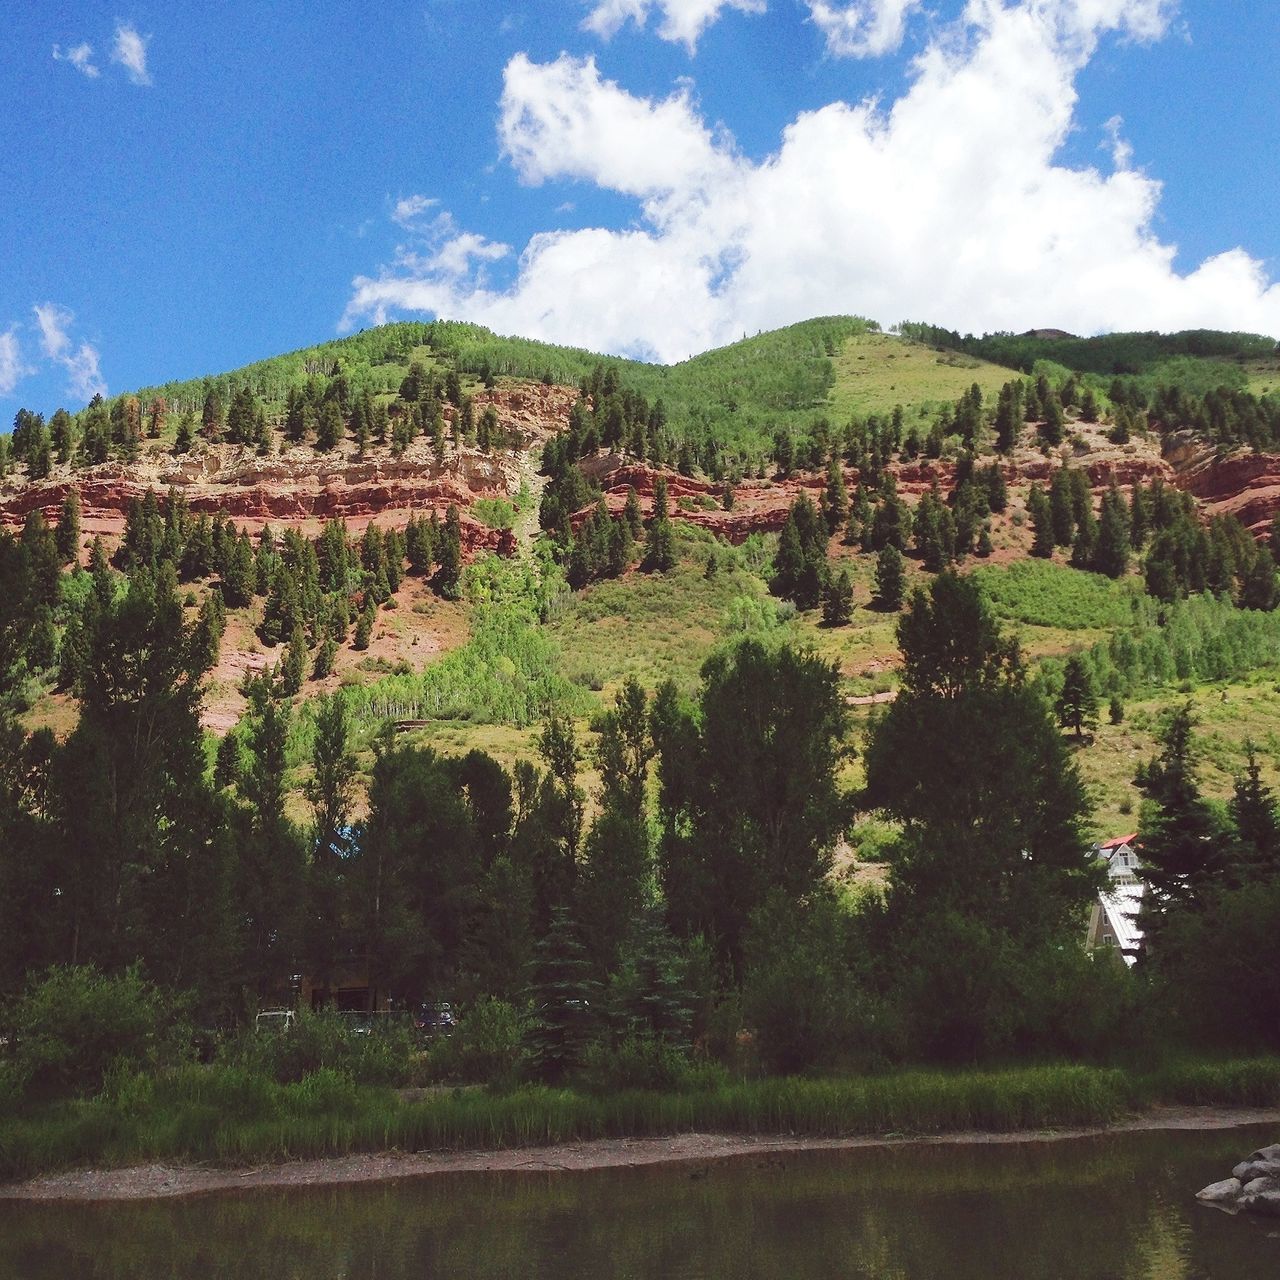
point(224, 1115)
point(874, 372)
point(1041, 593)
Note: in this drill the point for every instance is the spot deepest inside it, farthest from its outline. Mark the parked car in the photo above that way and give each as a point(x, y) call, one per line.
point(277, 1020)
point(435, 1019)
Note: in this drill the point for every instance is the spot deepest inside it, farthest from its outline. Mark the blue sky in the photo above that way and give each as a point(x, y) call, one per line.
point(192, 187)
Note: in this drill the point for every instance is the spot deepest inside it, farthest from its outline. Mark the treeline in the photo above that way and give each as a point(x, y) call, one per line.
point(696, 902)
point(1107, 355)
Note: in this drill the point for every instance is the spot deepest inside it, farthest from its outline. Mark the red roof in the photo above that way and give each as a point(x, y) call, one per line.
point(1118, 841)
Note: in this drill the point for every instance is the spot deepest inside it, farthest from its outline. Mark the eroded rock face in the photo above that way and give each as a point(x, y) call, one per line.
point(297, 486)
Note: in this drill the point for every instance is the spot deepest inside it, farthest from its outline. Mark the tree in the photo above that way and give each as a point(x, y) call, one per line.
point(1183, 853)
point(1111, 552)
point(68, 535)
point(448, 579)
point(660, 552)
point(835, 497)
point(1256, 823)
point(890, 581)
point(749, 798)
point(617, 864)
point(1077, 703)
point(1038, 507)
point(991, 871)
point(331, 791)
point(328, 427)
point(837, 608)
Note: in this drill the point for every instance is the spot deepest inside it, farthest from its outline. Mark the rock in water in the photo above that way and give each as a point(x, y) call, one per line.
point(1225, 1192)
point(1262, 1195)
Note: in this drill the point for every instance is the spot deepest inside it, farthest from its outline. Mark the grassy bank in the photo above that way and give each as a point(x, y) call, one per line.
point(227, 1116)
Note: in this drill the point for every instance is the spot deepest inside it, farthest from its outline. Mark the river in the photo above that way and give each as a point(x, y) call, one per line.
point(1118, 1207)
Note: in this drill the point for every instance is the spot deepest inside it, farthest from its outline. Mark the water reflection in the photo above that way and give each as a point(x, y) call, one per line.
point(1119, 1207)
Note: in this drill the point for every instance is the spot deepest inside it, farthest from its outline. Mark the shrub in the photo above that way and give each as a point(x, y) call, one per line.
point(325, 1041)
point(487, 1047)
point(645, 1061)
point(75, 1022)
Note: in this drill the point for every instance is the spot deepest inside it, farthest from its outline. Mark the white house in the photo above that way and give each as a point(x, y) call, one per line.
point(1113, 922)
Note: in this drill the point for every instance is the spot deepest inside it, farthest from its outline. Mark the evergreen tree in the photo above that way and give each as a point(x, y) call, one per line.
point(631, 513)
point(890, 580)
point(1257, 825)
point(660, 552)
point(565, 997)
point(837, 607)
point(364, 625)
point(835, 507)
point(293, 668)
point(1111, 554)
point(448, 578)
point(1183, 852)
point(328, 427)
point(68, 535)
point(1077, 703)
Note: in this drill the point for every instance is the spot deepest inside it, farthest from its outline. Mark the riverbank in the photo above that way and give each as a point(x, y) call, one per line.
point(222, 1118)
point(156, 1182)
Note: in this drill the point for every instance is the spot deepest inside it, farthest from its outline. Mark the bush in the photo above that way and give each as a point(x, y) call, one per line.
point(487, 1046)
point(325, 1041)
point(644, 1061)
point(74, 1023)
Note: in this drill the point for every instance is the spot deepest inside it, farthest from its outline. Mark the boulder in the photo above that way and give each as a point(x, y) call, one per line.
point(1225, 1192)
point(1267, 1153)
point(1261, 1196)
point(1253, 1167)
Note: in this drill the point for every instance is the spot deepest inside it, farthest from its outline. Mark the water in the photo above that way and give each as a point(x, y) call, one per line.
point(1115, 1208)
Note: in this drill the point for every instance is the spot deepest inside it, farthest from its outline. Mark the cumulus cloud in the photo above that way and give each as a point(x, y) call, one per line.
point(13, 368)
point(130, 51)
point(862, 28)
point(951, 203)
point(84, 375)
point(80, 56)
point(683, 21)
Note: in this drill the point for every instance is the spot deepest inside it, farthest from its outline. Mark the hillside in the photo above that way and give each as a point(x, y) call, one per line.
point(710, 427)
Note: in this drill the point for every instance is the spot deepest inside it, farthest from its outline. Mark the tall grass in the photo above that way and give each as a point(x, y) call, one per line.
point(228, 1115)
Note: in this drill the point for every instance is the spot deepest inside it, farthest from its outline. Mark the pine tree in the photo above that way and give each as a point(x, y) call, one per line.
point(364, 624)
point(329, 427)
point(632, 515)
point(1183, 853)
point(835, 497)
point(448, 578)
point(660, 552)
point(564, 995)
point(293, 668)
point(1041, 513)
point(1111, 554)
point(1257, 825)
point(68, 535)
point(1077, 703)
point(890, 581)
point(186, 433)
point(837, 607)
point(1008, 418)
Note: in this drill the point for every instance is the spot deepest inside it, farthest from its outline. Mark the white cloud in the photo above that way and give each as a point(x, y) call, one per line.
point(53, 322)
point(683, 21)
point(12, 366)
point(950, 204)
point(410, 208)
point(130, 51)
point(84, 376)
point(561, 120)
point(80, 56)
point(862, 28)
